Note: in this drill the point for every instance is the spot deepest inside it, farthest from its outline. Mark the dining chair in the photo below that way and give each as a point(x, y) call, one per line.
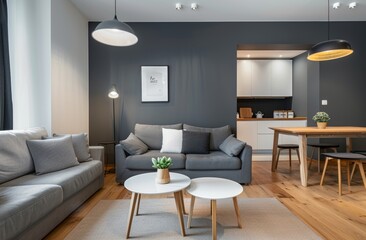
point(321, 147)
point(288, 147)
point(348, 158)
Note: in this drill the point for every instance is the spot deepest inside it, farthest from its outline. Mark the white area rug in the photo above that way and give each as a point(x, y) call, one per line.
point(262, 218)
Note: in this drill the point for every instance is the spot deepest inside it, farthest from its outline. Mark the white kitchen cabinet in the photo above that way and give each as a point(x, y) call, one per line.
point(261, 78)
point(244, 78)
point(259, 135)
point(264, 78)
point(281, 73)
point(246, 131)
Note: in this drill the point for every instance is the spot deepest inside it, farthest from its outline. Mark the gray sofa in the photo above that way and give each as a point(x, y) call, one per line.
point(214, 164)
point(32, 205)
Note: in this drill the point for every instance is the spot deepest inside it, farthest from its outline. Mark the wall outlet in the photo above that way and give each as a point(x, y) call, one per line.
point(324, 102)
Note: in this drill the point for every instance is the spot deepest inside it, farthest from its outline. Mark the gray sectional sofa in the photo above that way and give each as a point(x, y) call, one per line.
point(215, 163)
point(31, 203)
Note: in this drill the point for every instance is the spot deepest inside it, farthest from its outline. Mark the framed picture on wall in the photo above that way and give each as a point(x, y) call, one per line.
point(154, 84)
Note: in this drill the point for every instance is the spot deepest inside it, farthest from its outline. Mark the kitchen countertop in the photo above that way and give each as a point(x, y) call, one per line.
point(271, 119)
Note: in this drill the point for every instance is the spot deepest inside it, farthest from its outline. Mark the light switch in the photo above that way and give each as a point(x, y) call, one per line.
point(324, 102)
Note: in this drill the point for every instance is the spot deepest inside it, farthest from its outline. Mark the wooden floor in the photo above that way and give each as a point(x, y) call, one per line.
point(333, 217)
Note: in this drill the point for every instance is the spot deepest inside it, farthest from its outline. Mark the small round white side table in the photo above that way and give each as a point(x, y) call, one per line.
point(214, 189)
point(145, 184)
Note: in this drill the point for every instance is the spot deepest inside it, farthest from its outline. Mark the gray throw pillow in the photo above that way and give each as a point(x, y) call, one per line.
point(196, 142)
point(217, 135)
point(80, 144)
point(51, 155)
point(232, 146)
point(133, 145)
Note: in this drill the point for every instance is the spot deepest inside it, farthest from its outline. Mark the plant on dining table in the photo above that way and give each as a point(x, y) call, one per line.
point(321, 117)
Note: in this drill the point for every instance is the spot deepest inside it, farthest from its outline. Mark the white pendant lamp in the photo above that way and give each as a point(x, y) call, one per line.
point(330, 49)
point(114, 32)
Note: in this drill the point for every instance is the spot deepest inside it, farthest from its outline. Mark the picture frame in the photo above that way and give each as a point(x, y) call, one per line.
point(154, 84)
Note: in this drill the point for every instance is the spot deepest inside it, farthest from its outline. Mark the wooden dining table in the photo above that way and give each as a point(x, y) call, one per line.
point(313, 132)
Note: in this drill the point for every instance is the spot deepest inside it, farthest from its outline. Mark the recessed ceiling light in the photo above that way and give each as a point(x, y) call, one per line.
point(178, 6)
point(336, 5)
point(194, 6)
point(352, 5)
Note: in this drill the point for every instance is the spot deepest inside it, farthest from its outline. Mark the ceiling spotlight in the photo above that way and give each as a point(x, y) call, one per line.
point(352, 5)
point(336, 5)
point(178, 6)
point(194, 6)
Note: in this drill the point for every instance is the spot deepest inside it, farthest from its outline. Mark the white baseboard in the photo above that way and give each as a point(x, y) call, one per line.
point(265, 155)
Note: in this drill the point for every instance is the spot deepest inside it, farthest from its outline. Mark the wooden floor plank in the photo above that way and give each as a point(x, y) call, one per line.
point(320, 207)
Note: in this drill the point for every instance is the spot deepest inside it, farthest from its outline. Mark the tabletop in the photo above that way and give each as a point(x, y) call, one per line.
point(214, 188)
point(339, 130)
point(145, 183)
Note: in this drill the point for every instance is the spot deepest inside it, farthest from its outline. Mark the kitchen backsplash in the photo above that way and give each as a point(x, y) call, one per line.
point(266, 106)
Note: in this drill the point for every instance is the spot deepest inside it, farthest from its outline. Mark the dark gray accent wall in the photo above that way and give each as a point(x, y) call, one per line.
point(300, 88)
point(202, 71)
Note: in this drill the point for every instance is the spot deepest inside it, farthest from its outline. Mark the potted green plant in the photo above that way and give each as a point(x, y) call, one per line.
point(162, 165)
point(321, 119)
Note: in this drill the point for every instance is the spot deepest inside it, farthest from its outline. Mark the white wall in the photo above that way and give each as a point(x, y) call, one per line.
point(30, 59)
point(49, 65)
point(70, 80)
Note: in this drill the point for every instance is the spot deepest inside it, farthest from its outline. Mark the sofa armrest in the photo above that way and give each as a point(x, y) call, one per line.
point(97, 153)
point(120, 163)
point(246, 162)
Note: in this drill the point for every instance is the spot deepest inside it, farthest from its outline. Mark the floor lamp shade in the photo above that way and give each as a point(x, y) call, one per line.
point(329, 50)
point(113, 93)
point(114, 33)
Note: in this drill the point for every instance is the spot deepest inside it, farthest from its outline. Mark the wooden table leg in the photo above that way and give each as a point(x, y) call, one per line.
point(237, 211)
point(303, 160)
point(214, 230)
point(274, 150)
point(193, 198)
point(339, 177)
point(138, 204)
point(348, 144)
point(131, 213)
point(177, 198)
point(182, 203)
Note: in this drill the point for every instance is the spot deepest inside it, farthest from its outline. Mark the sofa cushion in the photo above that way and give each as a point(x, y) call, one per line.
point(215, 160)
point(21, 206)
point(152, 135)
point(71, 180)
point(232, 146)
point(51, 155)
point(217, 135)
point(196, 142)
point(143, 161)
point(80, 144)
point(133, 145)
point(172, 141)
point(14, 154)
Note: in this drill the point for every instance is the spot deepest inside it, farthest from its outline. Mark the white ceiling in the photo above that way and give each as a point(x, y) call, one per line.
point(220, 11)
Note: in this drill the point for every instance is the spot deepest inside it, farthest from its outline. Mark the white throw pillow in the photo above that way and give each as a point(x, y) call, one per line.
point(172, 141)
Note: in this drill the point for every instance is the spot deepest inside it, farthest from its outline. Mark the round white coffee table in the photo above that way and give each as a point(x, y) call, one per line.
point(214, 189)
point(145, 184)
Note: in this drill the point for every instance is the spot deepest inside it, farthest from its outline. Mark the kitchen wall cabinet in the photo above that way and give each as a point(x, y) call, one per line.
point(264, 78)
point(244, 73)
point(259, 135)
